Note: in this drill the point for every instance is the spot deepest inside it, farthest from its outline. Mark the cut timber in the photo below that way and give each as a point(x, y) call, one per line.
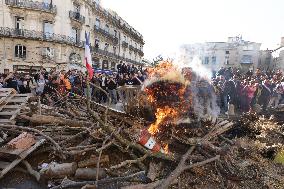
point(55, 170)
point(43, 119)
point(93, 161)
point(89, 173)
point(23, 141)
point(20, 158)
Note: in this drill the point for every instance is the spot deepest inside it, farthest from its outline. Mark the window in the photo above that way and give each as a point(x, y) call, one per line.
point(227, 61)
point(19, 2)
point(19, 23)
point(214, 60)
point(47, 1)
point(75, 34)
point(113, 66)
point(206, 60)
point(105, 65)
point(20, 51)
point(98, 23)
point(114, 49)
point(47, 4)
point(75, 58)
point(246, 59)
point(6, 71)
point(76, 8)
point(48, 29)
point(125, 38)
point(227, 52)
point(97, 43)
point(106, 46)
point(107, 28)
point(96, 63)
point(115, 33)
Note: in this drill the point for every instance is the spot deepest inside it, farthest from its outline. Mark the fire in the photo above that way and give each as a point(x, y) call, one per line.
point(162, 69)
point(166, 149)
point(161, 115)
point(167, 92)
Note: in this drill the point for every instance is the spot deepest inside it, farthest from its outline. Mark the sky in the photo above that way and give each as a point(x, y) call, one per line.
point(168, 24)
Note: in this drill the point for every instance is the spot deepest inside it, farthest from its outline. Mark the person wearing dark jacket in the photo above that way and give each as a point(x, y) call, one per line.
point(103, 85)
point(11, 82)
point(264, 97)
point(111, 85)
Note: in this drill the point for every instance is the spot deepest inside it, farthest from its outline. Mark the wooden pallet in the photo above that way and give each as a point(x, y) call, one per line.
point(11, 104)
point(15, 157)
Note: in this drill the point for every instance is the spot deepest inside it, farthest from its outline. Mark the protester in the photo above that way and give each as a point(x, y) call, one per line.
point(111, 85)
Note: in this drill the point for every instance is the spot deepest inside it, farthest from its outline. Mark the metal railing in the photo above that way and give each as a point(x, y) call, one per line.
point(107, 35)
point(28, 4)
point(110, 54)
point(38, 35)
point(77, 16)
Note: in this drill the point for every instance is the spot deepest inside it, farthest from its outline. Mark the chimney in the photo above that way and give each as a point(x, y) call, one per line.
point(282, 41)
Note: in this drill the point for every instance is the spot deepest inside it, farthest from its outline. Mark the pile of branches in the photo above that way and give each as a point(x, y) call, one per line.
point(102, 144)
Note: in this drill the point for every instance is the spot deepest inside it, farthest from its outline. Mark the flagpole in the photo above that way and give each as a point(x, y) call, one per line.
point(88, 83)
point(88, 93)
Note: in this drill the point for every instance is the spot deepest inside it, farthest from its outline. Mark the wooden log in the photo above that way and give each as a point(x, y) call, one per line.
point(93, 161)
point(43, 119)
point(73, 184)
point(55, 170)
point(89, 173)
point(154, 170)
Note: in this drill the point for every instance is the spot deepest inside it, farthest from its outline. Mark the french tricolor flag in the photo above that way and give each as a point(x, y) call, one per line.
point(88, 57)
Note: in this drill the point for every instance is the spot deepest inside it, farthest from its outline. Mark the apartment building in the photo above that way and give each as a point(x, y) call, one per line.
point(51, 34)
point(236, 52)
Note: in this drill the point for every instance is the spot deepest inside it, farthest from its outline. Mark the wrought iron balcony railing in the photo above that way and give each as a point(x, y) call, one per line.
point(77, 17)
point(29, 4)
point(37, 35)
point(110, 54)
point(107, 35)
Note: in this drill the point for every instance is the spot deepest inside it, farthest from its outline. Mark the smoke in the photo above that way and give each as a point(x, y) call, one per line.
point(204, 97)
point(198, 88)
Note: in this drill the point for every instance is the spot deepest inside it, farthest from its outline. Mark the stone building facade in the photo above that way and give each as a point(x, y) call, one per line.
point(51, 33)
point(235, 53)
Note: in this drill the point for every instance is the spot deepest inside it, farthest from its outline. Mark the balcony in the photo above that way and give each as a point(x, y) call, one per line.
point(104, 52)
point(76, 16)
point(124, 44)
point(28, 4)
point(110, 54)
point(107, 35)
point(40, 36)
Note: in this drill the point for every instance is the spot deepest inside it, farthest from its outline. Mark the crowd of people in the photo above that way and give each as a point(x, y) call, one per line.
point(251, 91)
point(50, 85)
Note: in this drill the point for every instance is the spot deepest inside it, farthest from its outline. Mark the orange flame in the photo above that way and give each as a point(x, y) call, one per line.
point(162, 69)
point(166, 149)
point(161, 114)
